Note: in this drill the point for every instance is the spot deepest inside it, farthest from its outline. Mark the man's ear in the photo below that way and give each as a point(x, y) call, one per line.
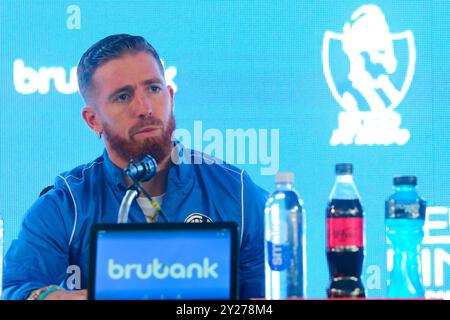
point(91, 118)
point(171, 93)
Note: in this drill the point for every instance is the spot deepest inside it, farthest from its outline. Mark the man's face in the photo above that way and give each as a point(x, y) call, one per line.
point(134, 107)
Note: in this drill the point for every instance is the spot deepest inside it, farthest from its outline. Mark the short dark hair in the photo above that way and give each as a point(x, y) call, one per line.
point(109, 48)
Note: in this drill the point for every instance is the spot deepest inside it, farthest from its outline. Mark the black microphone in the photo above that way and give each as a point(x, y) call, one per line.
point(141, 171)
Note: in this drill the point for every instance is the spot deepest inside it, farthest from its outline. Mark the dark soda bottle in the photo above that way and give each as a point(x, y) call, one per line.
point(345, 236)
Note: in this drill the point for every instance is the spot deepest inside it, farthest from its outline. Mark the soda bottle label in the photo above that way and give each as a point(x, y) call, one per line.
point(279, 256)
point(344, 232)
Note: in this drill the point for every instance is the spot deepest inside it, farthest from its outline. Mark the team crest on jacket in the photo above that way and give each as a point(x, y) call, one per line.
point(197, 218)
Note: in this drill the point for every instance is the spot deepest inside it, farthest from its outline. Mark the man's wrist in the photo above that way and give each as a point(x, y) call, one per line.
point(42, 293)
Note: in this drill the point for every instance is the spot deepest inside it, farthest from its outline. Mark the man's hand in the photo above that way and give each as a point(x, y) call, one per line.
point(62, 294)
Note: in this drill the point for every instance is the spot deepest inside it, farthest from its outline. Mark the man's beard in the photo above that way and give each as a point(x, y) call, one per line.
point(158, 147)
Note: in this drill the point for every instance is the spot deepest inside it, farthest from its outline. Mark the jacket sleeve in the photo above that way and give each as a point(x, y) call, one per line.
point(251, 273)
point(39, 257)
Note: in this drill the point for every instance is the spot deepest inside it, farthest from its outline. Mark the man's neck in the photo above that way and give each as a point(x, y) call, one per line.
point(157, 185)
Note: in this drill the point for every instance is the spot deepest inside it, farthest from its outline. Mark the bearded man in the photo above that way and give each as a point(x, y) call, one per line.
point(129, 106)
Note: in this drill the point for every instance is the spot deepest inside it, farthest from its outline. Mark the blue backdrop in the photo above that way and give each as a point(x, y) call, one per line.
point(262, 84)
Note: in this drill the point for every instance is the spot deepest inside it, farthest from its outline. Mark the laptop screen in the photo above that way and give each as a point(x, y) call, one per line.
point(163, 261)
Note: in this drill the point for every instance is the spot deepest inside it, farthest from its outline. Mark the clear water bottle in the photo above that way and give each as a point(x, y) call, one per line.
point(1, 255)
point(284, 241)
point(405, 218)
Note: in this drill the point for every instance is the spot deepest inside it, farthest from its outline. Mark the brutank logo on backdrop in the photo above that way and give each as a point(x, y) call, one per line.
point(28, 80)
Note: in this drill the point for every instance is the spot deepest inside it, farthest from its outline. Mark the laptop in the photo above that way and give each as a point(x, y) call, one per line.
point(163, 261)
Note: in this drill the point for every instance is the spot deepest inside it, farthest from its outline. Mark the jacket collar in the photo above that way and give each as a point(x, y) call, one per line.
point(179, 174)
point(114, 174)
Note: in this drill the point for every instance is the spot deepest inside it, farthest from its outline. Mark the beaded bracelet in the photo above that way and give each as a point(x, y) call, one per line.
point(42, 293)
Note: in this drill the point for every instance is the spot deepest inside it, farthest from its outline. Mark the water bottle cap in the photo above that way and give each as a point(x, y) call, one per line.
point(284, 177)
point(344, 168)
point(405, 180)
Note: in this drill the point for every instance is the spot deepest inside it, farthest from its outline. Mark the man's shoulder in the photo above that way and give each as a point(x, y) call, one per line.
point(81, 174)
point(222, 171)
point(67, 187)
point(212, 166)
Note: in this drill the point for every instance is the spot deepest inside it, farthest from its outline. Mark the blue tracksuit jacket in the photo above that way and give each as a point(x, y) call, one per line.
point(53, 242)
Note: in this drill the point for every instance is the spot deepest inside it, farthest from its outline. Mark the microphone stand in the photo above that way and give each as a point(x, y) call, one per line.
point(132, 192)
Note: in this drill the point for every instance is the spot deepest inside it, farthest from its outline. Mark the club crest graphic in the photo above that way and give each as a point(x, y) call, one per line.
point(369, 71)
point(198, 218)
